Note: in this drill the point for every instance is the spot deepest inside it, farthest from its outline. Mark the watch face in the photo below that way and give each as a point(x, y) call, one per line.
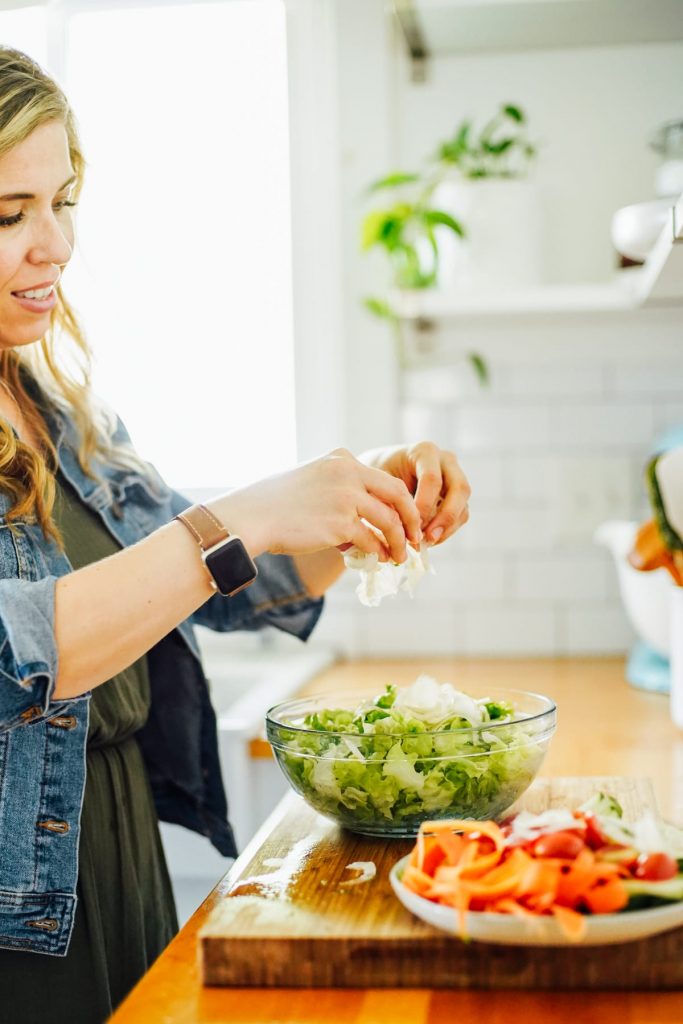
point(230, 565)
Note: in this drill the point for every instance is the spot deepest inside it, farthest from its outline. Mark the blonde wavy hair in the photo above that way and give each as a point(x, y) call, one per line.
point(30, 98)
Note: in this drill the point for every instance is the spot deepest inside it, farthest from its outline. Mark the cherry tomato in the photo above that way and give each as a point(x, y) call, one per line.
point(594, 834)
point(565, 845)
point(655, 867)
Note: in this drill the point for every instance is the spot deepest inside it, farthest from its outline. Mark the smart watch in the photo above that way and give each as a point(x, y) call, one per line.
point(230, 566)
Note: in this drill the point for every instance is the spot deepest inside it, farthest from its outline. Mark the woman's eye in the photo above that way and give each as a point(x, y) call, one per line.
point(6, 222)
point(15, 218)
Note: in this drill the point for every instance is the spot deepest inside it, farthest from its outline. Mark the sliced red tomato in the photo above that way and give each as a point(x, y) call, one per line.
point(594, 836)
point(564, 845)
point(655, 867)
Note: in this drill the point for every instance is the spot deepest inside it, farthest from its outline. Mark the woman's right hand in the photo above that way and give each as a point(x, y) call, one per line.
point(321, 504)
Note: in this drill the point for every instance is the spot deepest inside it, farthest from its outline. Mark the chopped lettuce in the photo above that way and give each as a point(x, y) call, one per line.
point(386, 579)
point(408, 755)
point(603, 805)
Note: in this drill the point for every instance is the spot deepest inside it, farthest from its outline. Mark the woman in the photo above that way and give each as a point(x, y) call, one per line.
point(103, 571)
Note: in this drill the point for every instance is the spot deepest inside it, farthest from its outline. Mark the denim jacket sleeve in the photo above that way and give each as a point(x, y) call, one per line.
point(276, 598)
point(28, 651)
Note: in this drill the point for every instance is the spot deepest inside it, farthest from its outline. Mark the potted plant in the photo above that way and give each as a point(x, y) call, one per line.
point(483, 180)
point(436, 230)
point(405, 229)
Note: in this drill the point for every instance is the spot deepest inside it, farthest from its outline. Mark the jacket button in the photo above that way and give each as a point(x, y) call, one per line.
point(64, 722)
point(54, 826)
point(117, 510)
point(46, 924)
point(31, 714)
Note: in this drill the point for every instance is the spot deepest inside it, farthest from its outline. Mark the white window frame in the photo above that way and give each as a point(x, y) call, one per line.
point(317, 263)
point(317, 256)
point(316, 221)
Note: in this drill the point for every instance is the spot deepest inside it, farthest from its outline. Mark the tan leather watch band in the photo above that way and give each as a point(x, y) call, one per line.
point(203, 525)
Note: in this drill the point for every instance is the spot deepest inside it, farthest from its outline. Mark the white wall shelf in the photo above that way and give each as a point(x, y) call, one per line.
point(658, 282)
point(435, 27)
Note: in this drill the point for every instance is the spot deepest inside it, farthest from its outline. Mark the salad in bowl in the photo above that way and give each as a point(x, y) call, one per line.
point(381, 766)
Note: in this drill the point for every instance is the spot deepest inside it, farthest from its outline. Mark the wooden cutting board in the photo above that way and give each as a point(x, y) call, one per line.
point(290, 918)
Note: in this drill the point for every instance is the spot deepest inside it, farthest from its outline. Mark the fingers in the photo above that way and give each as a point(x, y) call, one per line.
point(394, 493)
point(427, 460)
point(388, 521)
point(453, 511)
point(439, 506)
point(365, 539)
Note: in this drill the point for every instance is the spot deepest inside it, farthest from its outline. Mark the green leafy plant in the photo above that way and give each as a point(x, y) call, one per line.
point(404, 228)
point(500, 150)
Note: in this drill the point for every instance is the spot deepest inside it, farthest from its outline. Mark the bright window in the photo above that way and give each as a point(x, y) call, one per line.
point(182, 275)
point(26, 29)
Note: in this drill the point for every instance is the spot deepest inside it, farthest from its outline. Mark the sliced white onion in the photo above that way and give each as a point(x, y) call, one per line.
point(433, 702)
point(526, 825)
point(367, 868)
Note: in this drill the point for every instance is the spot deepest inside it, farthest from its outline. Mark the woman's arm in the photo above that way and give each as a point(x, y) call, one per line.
point(111, 612)
point(318, 571)
point(165, 582)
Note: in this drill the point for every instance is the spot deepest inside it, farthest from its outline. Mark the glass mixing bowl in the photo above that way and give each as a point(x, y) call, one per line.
point(385, 783)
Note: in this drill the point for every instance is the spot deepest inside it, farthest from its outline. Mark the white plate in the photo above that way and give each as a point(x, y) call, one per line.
point(601, 929)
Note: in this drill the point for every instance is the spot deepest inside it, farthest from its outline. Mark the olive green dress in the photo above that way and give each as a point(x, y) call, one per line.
point(125, 914)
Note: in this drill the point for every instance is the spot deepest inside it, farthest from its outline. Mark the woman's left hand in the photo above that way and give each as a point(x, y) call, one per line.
point(435, 479)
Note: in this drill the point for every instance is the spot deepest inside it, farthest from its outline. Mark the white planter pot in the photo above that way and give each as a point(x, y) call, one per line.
point(502, 248)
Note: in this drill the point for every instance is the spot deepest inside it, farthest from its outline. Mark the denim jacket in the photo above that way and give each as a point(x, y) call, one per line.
point(43, 741)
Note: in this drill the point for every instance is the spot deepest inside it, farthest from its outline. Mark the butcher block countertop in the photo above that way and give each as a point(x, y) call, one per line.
point(605, 727)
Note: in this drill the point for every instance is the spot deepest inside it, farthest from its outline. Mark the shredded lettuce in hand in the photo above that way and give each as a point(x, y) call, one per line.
point(425, 751)
point(386, 579)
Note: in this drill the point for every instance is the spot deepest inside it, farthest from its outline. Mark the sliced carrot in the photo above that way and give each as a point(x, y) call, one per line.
point(445, 875)
point(540, 876)
point(479, 864)
point(427, 853)
point(487, 893)
point(433, 858)
point(572, 923)
point(502, 880)
point(467, 866)
point(507, 906)
point(416, 880)
point(452, 845)
point(485, 828)
point(606, 899)
point(469, 855)
point(576, 878)
point(540, 902)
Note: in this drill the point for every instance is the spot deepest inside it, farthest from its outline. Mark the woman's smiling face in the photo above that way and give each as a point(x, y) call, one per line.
point(36, 231)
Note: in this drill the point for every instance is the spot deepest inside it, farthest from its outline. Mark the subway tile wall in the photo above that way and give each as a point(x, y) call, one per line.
point(553, 447)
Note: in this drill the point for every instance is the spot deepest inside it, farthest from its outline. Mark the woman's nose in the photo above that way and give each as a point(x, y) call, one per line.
point(52, 243)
